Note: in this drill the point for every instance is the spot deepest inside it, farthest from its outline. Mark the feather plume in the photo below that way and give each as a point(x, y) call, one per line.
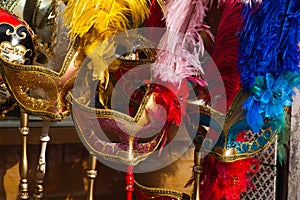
point(156, 17)
point(223, 180)
point(226, 48)
point(269, 40)
point(225, 53)
point(269, 63)
point(181, 46)
point(283, 139)
point(160, 3)
point(97, 20)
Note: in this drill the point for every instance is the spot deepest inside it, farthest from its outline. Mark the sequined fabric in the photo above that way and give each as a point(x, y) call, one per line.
point(41, 91)
point(230, 132)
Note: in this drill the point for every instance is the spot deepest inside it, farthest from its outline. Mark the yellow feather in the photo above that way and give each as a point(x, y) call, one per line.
point(108, 17)
point(136, 7)
point(95, 22)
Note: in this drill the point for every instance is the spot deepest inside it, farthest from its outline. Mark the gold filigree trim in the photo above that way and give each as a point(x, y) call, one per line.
point(161, 192)
point(14, 53)
point(131, 124)
point(123, 157)
point(9, 4)
point(27, 76)
point(235, 113)
point(69, 58)
point(231, 155)
point(112, 114)
point(50, 18)
point(14, 33)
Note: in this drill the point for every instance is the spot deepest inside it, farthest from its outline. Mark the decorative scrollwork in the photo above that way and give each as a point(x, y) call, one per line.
point(14, 53)
point(9, 4)
point(16, 33)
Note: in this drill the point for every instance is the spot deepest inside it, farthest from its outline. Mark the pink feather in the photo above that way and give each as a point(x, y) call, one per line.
point(181, 46)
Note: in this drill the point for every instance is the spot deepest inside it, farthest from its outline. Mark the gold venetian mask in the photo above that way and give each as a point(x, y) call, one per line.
point(37, 88)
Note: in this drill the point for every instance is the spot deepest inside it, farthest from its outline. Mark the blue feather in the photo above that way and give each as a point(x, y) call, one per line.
point(268, 40)
point(269, 63)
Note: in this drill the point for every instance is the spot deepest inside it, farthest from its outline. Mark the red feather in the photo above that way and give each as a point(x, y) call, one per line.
point(226, 50)
point(227, 180)
point(156, 17)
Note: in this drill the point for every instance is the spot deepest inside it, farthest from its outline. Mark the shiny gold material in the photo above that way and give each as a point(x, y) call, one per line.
point(91, 175)
point(131, 59)
point(23, 166)
point(9, 4)
point(82, 110)
point(127, 157)
point(151, 193)
point(46, 25)
point(40, 91)
point(14, 53)
point(197, 170)
point(105, 90)
point(234, 114)
point(130, 125)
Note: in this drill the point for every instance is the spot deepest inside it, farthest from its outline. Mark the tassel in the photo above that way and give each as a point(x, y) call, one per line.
point(178, 55)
